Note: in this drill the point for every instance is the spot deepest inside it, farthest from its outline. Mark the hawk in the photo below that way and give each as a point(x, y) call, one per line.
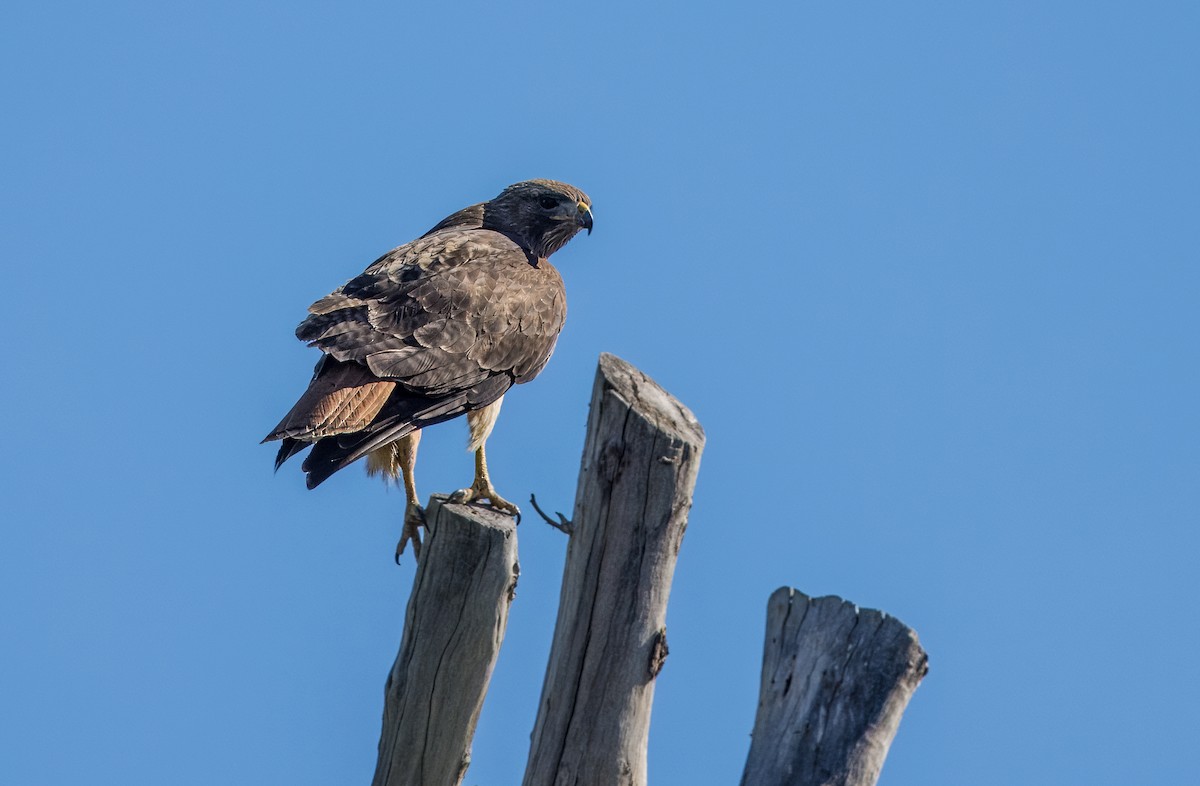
point(439, 327)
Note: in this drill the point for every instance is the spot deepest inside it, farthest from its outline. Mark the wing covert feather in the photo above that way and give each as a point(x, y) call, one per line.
point(443, 313)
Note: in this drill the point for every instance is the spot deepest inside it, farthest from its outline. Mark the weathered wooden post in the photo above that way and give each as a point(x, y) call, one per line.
point(835, 678)
point(640, 460)
point(835, 681)
point(456, 618)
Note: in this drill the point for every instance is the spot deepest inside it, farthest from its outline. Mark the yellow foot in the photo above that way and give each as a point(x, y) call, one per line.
point(414, 520)
point(481, 490)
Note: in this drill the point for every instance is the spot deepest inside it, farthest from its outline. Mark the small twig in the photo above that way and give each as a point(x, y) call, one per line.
point(563, 524)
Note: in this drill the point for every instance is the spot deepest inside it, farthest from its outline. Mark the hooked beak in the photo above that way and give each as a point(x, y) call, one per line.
point(584, 218)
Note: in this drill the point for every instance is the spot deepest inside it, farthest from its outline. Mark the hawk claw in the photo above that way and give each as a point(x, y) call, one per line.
point(480, 490)
point(414, 520)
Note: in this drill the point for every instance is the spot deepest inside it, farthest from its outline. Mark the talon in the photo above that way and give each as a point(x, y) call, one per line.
point(414, 520)
point(481, 488)
point(479, 491)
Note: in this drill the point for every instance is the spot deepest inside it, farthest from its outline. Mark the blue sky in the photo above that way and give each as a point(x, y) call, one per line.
point(926, 272)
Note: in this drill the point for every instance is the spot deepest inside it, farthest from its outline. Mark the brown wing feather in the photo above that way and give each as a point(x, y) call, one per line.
point(431, 330)
point(444, 313)
point(342, 397)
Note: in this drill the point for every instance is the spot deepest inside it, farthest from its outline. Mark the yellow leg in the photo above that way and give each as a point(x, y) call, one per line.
point(482, 488)
point(414, 514)
point(406, 457)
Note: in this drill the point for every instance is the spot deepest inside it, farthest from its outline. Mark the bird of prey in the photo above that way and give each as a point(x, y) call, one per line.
point(436, 328)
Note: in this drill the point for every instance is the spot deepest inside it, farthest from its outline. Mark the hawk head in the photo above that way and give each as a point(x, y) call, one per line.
point(542, 215)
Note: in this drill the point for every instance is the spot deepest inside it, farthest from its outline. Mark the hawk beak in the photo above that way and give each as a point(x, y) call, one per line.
point(585, 217)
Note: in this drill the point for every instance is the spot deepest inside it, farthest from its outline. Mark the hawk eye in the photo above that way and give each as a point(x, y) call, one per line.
point(548, 202)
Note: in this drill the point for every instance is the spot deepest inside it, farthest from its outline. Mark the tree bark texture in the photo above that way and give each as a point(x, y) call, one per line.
point(640, 460)
point(835, 681)
point(456, 618)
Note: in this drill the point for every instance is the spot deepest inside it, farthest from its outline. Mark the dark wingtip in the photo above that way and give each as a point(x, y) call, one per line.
point(287, 449)
point(317, 472)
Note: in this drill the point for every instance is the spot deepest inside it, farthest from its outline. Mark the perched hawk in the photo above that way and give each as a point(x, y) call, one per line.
point(437, 328)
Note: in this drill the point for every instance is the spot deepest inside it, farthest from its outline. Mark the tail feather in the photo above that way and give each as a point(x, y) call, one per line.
point(288, 448)
point(357, 430)
point(333, 453)
point(401, 416)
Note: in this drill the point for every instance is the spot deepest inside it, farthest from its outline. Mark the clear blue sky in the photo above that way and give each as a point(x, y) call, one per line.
point(926, 272)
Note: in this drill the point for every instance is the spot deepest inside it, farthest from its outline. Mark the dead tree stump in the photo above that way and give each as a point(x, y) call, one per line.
point(835, 678)
point(640, 460)
point(456, 618)
point(835, 681)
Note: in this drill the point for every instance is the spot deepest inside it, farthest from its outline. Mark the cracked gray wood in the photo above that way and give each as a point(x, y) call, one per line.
point(640, 460)
point(456, 618)
point(835, 681)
